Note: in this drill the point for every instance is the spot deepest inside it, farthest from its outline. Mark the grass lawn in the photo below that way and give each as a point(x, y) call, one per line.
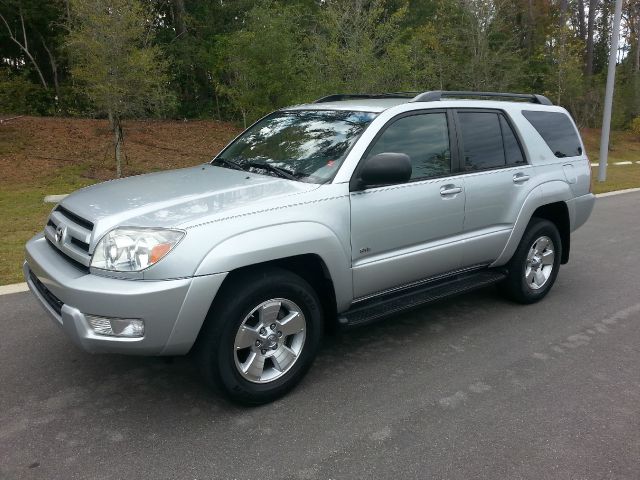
point(44, 156)
point(619, 177)
point(623, 147)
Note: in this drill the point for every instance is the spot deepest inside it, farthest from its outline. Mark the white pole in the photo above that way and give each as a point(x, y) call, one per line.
point(608, 95)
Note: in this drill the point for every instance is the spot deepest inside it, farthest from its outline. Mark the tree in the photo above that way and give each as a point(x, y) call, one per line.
point(193, 34)
point(113, 59)
point(271, 69)
point(33, 33)
point(358, 46)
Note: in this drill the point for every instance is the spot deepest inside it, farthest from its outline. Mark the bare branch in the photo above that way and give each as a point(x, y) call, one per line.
point(24, 47)
point(24, 31)
point(54, 65)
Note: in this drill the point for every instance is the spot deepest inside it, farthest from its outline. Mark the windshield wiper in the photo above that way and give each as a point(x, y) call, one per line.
point(229, 163)
point(281, 172)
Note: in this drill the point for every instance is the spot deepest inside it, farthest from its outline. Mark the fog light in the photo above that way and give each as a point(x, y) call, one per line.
point(117, 327)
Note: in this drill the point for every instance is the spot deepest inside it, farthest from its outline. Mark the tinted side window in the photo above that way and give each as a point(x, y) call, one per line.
point(557, 130)
point(482, 140)
point(424, 137)
point(511, 146)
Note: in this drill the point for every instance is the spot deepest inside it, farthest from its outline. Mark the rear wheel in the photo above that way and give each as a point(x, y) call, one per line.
point(261, 336)
point(534, 266)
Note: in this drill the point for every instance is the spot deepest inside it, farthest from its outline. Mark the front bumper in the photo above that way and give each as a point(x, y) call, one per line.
point(172, 310)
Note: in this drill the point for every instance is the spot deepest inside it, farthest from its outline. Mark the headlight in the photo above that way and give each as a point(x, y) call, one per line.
point(133, 249)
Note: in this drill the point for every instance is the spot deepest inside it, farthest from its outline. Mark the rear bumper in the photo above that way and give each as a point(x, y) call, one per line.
point(172, 310)
point(580, 209)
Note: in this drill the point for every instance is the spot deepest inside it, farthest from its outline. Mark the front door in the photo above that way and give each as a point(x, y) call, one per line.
point(406, 233)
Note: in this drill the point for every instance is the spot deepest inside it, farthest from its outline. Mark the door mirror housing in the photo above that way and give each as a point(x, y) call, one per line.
point(385, 169)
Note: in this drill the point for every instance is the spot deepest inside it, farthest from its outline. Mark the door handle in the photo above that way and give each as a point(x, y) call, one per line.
point(450, 190)
point(520, 178)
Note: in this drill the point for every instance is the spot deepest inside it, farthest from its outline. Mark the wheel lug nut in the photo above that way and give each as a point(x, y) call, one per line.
point(258, 343)
point(263, 351)
point(272, 326)
point(263, 331)
point(275, 347)
point(279, 334)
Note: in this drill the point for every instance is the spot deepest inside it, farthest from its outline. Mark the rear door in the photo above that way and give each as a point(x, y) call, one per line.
point(497, 179)
point(405, 233)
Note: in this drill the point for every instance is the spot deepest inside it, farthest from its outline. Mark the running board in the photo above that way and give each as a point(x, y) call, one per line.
point(376, 308)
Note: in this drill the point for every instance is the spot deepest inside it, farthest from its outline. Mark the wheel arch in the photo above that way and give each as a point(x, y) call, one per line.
point(558, 214)
point(311, 267)
point(308, 249)
point(549, 201)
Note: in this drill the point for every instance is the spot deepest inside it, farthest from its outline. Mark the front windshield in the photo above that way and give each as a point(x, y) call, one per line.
point(305, 145)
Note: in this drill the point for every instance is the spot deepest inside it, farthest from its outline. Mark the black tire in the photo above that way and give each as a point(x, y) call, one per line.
point(216, 353)
point(515, 286)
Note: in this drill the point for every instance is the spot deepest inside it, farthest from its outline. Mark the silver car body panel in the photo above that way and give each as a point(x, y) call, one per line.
point(403, 233)
point(175, 198)
point(369, 241)
point(317, 223)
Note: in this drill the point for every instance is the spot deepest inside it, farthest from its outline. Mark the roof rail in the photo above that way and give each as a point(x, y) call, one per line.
point(437, 95)
point(348, 96)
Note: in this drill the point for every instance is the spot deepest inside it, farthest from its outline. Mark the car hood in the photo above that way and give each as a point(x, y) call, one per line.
point(176, 198)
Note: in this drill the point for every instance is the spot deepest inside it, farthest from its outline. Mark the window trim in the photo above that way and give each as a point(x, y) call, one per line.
point(504, 145)
point(461, 167)
point(354, 183)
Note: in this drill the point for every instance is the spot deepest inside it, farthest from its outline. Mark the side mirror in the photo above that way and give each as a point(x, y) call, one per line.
point(385, 169)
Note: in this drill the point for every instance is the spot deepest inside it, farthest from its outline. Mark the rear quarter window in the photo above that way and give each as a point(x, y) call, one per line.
point(557, 131)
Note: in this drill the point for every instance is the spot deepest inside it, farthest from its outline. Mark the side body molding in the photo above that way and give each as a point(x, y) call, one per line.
point(280, 241)
point(544, 194)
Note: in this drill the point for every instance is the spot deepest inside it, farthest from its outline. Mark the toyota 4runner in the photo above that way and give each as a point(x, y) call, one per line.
point(334, 213)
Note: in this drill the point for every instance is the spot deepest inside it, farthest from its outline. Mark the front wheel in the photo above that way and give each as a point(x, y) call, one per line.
point(534, 266)
point(261, 336)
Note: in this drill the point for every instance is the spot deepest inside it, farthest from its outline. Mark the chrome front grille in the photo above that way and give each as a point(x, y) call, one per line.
point(70, 234)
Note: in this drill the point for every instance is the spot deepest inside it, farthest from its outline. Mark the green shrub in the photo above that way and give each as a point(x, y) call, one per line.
point(19, 95)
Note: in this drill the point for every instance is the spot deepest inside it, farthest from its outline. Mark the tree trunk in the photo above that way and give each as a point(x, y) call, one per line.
point(116, 128)
point(593, 5)
point(636, 60)
point(562, 46)
point(179, 14)
point(581, 25)
point(215, 92)
point(564, 5)
point(532, 22)
point(636, 57)
point(54, 70)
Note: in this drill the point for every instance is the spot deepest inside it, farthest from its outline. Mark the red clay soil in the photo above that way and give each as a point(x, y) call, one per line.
point(33, 146)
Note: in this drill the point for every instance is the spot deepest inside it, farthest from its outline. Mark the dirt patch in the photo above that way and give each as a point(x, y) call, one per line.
point(31, 147)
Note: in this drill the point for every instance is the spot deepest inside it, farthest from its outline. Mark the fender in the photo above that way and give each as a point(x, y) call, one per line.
point(284, 240)
point(543, 194)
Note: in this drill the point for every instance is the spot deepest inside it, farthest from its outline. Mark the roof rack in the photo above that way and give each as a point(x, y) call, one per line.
point(349, 96)
point(437, 95)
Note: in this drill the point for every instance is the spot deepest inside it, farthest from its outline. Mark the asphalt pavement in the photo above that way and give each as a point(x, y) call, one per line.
point(471, 387)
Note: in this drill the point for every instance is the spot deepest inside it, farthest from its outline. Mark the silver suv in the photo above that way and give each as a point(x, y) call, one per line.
point(335, 213)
